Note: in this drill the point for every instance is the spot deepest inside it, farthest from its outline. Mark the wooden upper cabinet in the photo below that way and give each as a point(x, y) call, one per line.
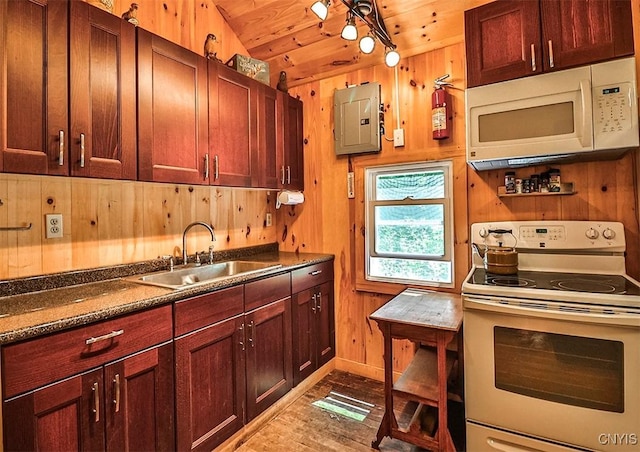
point(293, 165)
point(577, 32)
point(502, 41)
point(172, 112)
point(103, 94)
point(233, 127)
point(509, 39)
point(33, 80)
point(270, 137)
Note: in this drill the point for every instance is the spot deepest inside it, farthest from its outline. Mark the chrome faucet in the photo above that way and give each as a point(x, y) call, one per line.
point(184, 237)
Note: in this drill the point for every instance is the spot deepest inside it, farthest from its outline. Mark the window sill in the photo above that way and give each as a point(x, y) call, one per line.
point(364, 285)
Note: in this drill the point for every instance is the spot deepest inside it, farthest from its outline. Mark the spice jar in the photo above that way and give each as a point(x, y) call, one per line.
point(510, 182)
point(554, 180)
point(535, 183)
point(544, 182)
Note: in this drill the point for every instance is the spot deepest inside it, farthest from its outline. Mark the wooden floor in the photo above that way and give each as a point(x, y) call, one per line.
point(305, 427)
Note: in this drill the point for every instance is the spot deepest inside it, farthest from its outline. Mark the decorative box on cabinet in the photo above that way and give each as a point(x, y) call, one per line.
point(313, 319)
point(508, 39)
point(89, 131)
point(104, 386)
point(172, 112)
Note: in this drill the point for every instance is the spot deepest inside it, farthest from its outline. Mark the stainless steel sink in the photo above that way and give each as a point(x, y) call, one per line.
point(181, 278)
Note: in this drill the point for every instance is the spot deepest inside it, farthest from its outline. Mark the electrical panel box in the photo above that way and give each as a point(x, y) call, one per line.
point(358, 119)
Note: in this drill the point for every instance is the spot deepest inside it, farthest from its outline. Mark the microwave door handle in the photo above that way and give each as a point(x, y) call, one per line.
point(586, 136)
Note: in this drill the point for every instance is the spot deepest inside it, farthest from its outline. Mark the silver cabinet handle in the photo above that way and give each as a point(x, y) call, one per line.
point(315, 272)
point(319, 298)
point(288, 175)
point(206, 166)
point(313, 299)
point(104, 337)
point(241, 329)
point(282, 174)
point(61, 148)
point(251, 338)
point(533, 57)
point(216, 168)
point(551, 63)
point(96, 402)
point(116, 390)
point(82, 150)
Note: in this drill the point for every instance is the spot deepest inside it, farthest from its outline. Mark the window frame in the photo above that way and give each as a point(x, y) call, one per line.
point(370, 175)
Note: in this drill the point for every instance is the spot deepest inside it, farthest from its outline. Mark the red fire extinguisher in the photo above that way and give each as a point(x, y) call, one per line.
point(441, 115)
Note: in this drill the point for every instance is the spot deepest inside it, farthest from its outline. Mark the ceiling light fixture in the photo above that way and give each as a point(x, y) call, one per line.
point(367, 44)
point(391, 58)
point(367, 12)
point(321, 8)
point(350, 32)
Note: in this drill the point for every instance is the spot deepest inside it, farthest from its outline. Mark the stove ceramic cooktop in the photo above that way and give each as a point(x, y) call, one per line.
point(556, 281)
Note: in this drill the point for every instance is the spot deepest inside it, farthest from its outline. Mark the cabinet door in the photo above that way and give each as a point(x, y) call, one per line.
point(270, 128)
point(325, 333)
point(269, 372)
point(103, 94)
point(172, 112)
point(139, 401)
point(233, 133)
point(210, 385)
point(304, 344)
point(65, 416)
point(502, 41)
point(576, 32)
point(293, 144)
point(33, 81)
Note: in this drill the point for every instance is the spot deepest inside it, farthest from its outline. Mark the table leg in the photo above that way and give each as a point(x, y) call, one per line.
point(388, 419)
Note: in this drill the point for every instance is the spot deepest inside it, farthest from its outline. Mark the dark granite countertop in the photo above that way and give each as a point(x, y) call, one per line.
point(40, 305)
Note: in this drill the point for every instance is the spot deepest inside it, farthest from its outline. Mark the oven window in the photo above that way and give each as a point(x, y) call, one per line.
point(571, 370)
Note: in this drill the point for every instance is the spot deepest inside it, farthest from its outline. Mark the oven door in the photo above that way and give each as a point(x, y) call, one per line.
point(551, 371)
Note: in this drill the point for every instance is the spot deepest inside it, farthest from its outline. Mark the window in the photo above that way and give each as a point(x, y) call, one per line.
point(409, 221)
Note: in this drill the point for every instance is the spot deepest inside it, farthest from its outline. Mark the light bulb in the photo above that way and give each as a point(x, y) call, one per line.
point(392, 58)
point(321, 9)
point(367, 44)
point(350, 32)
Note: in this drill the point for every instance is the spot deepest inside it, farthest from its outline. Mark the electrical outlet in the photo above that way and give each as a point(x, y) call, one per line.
point(269, 220)
point(398, 138)
point(53, 225)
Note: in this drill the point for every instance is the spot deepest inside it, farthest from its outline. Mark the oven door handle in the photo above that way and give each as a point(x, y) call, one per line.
point(506, 446)
point(559, 311)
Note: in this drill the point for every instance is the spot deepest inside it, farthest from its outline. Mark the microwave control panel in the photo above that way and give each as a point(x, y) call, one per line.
point(615, 104)
point(612, 108)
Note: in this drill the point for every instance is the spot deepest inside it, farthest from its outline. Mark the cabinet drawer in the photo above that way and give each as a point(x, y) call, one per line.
point(36, 362)
point(310, 276)
point(198, 312)
point(263, 292)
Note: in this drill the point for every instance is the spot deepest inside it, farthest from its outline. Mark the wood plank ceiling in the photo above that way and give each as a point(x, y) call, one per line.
point(289, 36)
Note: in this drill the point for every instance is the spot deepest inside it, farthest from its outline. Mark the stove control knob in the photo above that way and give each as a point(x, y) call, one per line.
point(592, 234)
point(608, 234)
point(483, 233)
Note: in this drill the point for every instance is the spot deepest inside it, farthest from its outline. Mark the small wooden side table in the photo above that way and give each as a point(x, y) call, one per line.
point(432, 319)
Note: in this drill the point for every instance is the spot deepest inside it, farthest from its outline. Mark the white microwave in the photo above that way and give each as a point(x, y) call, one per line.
point(585, 113)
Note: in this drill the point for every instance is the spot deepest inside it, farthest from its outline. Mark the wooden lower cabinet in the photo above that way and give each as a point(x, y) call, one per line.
point(124, 406)
point(230, 371)
point(269, 370)
point(313, 319)
point(210, 385)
